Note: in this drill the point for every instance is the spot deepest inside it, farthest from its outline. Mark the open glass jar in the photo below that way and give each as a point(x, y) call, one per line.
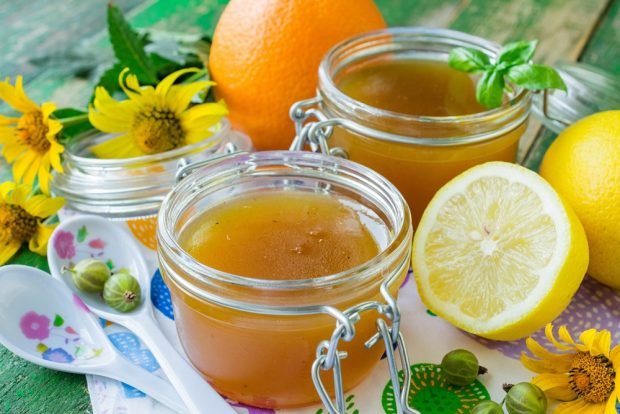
point(258, 341)
point(132, 189)
point(417, 153)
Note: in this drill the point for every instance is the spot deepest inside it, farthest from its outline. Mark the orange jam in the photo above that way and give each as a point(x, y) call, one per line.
point(266, 360)
point(282, 236)
point(397, 107)
point(414, 87)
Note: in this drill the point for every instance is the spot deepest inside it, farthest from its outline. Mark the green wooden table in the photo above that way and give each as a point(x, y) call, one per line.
point(56, 45)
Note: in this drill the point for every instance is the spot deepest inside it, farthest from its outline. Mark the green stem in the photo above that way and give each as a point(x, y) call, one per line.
point(73, 120)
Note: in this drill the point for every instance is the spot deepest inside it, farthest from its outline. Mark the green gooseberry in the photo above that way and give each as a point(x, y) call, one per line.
point(526, 398)
point(122, 292)
point(487, 407)
point(89, 275)
point(460, 367)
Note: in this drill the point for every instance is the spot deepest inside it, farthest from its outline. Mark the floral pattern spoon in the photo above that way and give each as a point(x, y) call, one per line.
point(45, 323)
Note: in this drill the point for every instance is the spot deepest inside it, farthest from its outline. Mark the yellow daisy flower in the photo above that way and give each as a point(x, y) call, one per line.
point(153, 119)
point(30, 140)
point(583, 374)
point(21, 214)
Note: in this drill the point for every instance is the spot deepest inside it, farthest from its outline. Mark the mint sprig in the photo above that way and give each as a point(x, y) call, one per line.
point(514, 65)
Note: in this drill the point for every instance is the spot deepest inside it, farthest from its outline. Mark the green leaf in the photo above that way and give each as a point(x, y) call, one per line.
point(58, 320)
point(129, 47)
point(82, 233)
point(468, 60)
point(536, 77)
point(517, 53)
point(490, 89)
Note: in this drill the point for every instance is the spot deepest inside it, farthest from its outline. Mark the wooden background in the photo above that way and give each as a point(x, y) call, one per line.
point(60, 47)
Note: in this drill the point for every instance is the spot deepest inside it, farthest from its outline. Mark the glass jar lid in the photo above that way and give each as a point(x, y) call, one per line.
point(590, 90)
point(132, 188)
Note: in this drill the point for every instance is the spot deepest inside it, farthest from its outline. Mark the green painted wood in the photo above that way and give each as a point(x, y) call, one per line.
point(602, 51)
point(74, 40)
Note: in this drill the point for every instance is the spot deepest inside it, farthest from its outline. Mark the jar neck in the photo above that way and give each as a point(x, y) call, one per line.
point(288, 171)
point(423, 44)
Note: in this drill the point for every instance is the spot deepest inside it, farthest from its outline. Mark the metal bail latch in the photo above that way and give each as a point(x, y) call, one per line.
point(329, 358)
point(314, 134)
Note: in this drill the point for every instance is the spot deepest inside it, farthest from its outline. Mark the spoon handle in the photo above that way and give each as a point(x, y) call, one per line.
point(155, 387)
point(194, 390)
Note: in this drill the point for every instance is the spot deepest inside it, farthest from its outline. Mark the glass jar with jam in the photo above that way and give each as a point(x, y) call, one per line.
point(283, 269)
point(388, 99)
point(132, 189)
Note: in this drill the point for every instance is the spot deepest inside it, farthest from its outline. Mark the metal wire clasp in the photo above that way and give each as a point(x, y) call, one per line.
point(328, 357)
point(313, 134)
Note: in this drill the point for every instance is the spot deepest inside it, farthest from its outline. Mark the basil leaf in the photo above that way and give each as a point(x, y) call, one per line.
point(536, 77)
point(490, 89)
point(517, 53)
point(468, 60)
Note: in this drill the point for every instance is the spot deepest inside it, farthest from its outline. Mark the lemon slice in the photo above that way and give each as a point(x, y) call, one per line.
point(498, 253)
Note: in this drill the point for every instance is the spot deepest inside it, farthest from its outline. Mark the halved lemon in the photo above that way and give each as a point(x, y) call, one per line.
point(498, 253)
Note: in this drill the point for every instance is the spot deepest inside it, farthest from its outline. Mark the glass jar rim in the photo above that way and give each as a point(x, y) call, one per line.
point(232, 167)
point(422, 34)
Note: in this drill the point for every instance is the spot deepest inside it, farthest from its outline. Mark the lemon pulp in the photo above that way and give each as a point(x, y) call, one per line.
point(498, 253)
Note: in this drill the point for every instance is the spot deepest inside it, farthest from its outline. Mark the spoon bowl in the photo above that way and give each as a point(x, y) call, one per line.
point(43, 322)
point(81, 237)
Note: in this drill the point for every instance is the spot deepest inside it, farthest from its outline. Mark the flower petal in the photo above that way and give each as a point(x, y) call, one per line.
point(168, 81)
point(538, 350)
point(38, 243)
point(8, 134)
point(556, 386)
point(6, 120)
point(15, 96)
point(572, 407)
point(19, 195)
point(610, 407)
point(11, 151)
point(5, 189)
point(122, 146)
point(555, 342)
point(193, 116)
point(8, 250)
point(43, 206)
point(22, 164)
point(47, 108)
point(180, 96)
point(44, 175)
point(559, 364)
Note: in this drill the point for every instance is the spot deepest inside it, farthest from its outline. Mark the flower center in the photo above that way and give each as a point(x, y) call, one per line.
point(592, 377)
point(32, 131)
point(157, 130)
point(16, 223)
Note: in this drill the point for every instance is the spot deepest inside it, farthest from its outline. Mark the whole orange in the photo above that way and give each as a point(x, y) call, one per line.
point(266, 53)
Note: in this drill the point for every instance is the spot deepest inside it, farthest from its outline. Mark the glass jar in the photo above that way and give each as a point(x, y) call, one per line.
point(257, 341)
point(417, 153)
point(132, 189)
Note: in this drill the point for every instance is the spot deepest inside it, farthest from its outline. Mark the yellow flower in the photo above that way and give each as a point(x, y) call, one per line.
point(584, 374)
point(30, 140)
point(153, 120)
point(21, 214)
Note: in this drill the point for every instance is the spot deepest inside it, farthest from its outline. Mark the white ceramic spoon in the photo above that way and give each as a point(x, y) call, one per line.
point(88, 236)
point(46, 324)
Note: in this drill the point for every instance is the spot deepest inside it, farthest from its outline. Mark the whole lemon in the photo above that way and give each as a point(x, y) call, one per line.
point(583, 165)
point(265, 57)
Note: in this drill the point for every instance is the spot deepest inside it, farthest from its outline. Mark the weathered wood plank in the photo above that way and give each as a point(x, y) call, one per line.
point(603, 51)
